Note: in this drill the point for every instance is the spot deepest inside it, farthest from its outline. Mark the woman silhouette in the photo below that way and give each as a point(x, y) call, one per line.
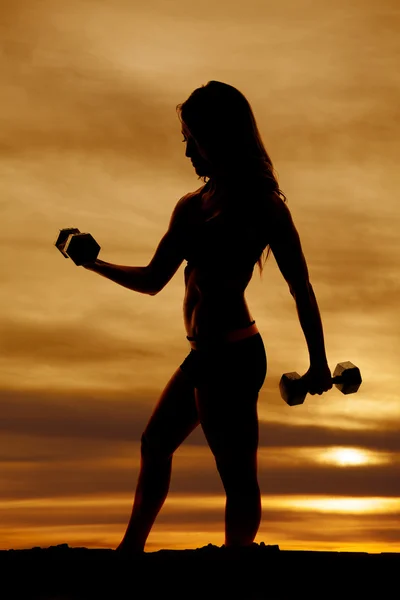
point(222, 230)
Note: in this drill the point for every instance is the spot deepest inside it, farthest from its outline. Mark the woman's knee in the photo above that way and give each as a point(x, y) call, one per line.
point(238, 474)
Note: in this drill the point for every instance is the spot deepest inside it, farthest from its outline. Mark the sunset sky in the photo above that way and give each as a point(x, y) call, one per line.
point(89, 138)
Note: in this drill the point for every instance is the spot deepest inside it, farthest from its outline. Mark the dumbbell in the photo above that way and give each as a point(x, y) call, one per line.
point(346, 377)
point(81, 247)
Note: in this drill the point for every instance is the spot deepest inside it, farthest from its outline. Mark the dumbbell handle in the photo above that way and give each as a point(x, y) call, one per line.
point(302, 382)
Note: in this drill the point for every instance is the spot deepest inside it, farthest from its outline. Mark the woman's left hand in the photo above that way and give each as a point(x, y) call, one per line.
point(318, 379)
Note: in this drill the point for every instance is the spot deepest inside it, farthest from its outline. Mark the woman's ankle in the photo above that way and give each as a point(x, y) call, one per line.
point(130, 546)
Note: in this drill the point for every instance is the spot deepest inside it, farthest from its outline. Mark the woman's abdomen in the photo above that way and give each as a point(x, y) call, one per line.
point(209, 317)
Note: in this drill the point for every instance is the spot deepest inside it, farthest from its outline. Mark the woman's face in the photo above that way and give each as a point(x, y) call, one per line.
point(197, 156)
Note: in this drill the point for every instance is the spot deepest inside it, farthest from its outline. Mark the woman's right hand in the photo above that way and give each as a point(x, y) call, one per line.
point(318, 378)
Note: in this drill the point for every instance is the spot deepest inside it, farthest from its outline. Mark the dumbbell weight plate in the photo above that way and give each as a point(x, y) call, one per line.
point(350, 377)
point(293, 389)
point(62, 238)
point(82, 248)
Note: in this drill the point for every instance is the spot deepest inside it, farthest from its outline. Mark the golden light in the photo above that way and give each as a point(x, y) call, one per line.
point(340, 456)
point(323, 504)
point(349, 505)
point(179, 502)
point(351, 457)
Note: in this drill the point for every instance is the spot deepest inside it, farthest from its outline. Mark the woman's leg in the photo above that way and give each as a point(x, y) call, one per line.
point(232, 434)
point(173, 419)
point(227, 407)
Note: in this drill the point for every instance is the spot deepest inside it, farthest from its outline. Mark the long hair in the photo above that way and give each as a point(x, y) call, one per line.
point(221, 120)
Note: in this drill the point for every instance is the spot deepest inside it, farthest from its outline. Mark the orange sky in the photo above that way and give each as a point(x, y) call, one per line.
point(89, 138)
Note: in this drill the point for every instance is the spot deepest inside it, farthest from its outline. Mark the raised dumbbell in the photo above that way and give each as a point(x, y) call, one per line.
point(81, 247)
point(293, 388)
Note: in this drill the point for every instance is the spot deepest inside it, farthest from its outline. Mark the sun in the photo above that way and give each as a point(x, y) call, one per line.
point(346, 457)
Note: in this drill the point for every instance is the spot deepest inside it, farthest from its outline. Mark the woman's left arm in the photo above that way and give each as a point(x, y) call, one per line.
point(286, 247)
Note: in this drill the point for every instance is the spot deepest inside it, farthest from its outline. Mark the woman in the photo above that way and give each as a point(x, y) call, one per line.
point(222, 230)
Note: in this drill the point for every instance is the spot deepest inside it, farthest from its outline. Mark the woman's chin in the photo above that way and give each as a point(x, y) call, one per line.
point(201, 172)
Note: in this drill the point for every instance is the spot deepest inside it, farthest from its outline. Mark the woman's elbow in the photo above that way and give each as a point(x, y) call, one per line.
point(301, 288)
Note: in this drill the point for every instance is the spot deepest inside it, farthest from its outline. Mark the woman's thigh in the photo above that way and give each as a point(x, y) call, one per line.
point(229, 420)
point(226, 399)
point(173, 418)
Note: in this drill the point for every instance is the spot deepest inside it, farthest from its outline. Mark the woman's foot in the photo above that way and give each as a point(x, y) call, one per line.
point(236, 549)
point(129, 550)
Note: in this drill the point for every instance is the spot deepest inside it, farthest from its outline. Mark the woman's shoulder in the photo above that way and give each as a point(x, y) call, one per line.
point(186, 210)
point(189, 199)
point(271, 204)
point(256, 201)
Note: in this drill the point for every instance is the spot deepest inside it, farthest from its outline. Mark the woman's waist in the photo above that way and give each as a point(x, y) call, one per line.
point(205, 313)
point(217, 337)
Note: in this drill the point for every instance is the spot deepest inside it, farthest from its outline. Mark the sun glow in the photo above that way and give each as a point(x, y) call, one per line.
point(344, 505)
point(351, 457)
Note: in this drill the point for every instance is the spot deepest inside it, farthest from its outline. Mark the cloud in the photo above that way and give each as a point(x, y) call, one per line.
point(71, 428)
point(383, 438)
point(59, 96)
point(117, 417)
point(88, 523)
point(88, 117)
point(64, 415)
point(68, 343)
point(90, 91)
point(90, 478)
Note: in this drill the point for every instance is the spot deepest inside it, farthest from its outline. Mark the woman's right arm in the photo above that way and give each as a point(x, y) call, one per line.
point(137, 279)
point(164, 264)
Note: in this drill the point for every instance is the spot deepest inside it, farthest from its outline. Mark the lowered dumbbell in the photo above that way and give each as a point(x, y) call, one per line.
point(81, 247)
point(293, 388)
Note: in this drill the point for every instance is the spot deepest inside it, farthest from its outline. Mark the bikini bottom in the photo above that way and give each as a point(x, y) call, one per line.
point(241, 363)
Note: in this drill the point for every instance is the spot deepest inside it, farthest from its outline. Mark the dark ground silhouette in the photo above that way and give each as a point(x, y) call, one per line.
point(255, 573)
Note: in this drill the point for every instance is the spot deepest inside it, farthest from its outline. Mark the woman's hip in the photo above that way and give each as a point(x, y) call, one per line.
point(211, 343)
point(242, 363)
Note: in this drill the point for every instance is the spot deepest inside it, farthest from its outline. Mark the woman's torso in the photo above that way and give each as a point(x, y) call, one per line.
point(221, 249)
